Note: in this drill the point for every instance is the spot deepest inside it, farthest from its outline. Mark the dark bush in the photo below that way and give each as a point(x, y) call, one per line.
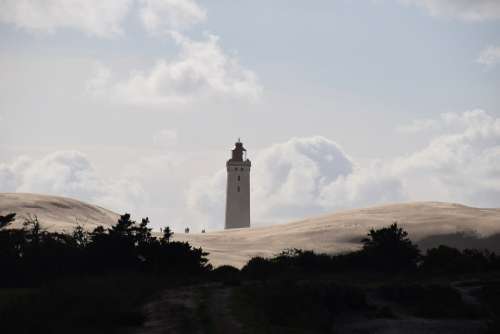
point(444, 259)
point(289, 305)
point(32, 256)
point(228, 275)
point(429, 301)
point(259, 268)
point(389, 249)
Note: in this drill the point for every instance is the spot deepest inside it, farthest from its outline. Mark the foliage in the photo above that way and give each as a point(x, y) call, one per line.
point(429, 301)
point(390, 249)
point(85, 304)
point(444, 259)
point(226, 274)
point(32, 255)
point(287, 306)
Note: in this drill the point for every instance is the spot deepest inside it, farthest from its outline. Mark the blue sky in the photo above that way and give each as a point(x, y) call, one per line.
point(134, 104)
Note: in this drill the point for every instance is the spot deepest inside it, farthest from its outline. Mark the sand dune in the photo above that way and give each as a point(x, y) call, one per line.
point(342, 231)
point(335, 232)
point(55, 213)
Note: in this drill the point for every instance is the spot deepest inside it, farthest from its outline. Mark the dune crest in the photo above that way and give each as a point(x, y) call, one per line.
point(56, 214)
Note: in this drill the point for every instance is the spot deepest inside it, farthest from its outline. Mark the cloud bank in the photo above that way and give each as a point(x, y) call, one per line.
point(104, 19)
point(310, 176)
point(201, 71)
point(163, 15)
point(298, 178)
point(68, 173)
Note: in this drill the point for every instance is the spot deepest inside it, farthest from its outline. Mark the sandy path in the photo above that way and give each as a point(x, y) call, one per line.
point(172, 311)
point(200, 309)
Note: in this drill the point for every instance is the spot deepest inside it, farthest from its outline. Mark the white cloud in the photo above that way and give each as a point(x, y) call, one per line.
point(310, 176)
point(69, 173)
point(94, 17)
point(288, 178)
point(164, 15)
point(97, 17)
point(446, 123)
point(462, 166)
point(287, 181)
point(146, 186)
point(201, 72)
point(490, 56)
point(297, 178)
point(468, 10)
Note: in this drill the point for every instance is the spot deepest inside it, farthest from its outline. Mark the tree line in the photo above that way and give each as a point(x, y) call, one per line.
point(32, 255)
point(387, 251)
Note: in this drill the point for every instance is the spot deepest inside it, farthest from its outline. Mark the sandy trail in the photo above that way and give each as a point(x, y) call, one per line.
point(199, 309)
point(205, 309)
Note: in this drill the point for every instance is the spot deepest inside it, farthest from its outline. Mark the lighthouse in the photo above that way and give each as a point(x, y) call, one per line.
point(238, 188)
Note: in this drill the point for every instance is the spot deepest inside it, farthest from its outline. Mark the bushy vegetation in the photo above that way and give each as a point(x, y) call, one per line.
point(444, 259)
point(31, 255)
point(106, 274)
point(294, 306)
point(387, 251)
point(88, 304)
point(429, 300)
point(88, 281)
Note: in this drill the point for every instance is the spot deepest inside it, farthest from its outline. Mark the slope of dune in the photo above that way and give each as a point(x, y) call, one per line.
point(342, 231)
point(429, 223)
point(55, 213)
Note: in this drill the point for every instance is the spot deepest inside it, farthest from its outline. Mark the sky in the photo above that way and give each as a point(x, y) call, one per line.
point(134, 105)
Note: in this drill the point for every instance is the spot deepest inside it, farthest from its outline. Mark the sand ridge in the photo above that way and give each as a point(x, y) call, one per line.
point(58, 214)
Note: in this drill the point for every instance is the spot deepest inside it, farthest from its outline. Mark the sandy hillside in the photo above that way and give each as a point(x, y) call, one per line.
point(55, 213)
point(336, 232)
point(342, 231)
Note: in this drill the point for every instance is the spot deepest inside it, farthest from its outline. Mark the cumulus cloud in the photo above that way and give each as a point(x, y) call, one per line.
point(97, 17)
point(287, 181)
point(300, 177)
point(490, 56)
point(462, 166)
point(94, 17)
point(446, 123)
point(289, 177)
point(468, 10)
point(68, 173)
point(147, 186)
point(310, 176)
point(202, 71)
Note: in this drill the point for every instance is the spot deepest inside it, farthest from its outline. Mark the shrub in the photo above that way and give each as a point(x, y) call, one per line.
point(390, 249)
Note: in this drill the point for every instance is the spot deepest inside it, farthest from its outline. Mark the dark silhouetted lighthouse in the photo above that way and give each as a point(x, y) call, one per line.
point(238, 189)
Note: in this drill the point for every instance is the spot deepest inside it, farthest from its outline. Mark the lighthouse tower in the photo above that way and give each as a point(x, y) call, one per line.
point(238, 189)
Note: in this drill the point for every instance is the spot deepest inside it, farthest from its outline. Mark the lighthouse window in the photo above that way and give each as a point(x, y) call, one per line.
point(241, 169)
point(238, 177)
point(238, 188)
point(235, 168)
